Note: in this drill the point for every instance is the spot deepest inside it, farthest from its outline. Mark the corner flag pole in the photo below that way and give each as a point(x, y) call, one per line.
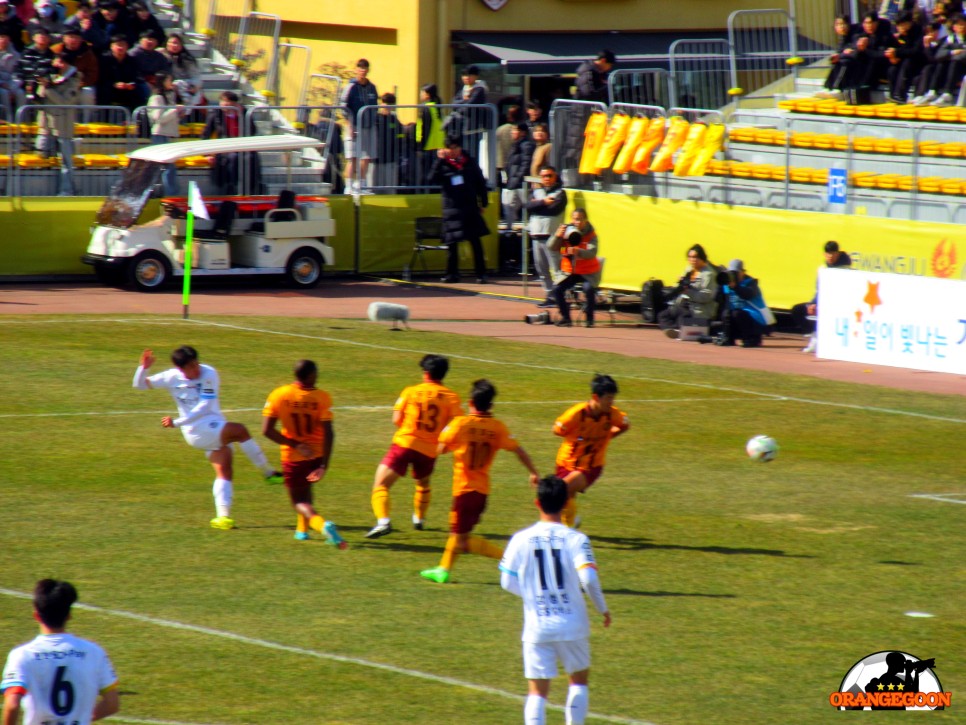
point(196, 206)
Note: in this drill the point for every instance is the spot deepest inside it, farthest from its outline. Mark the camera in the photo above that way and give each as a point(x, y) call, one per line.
point(540, 318)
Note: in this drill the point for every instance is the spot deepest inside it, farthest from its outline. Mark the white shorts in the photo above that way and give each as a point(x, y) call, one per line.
point(540, 659)
point(359, 145)
point(205, 434)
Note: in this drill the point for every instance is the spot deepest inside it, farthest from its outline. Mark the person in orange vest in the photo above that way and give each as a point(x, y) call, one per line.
point(577, 243)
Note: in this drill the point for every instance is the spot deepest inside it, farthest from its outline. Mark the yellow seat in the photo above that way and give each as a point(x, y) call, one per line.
point(5, 161)
point(885, 146)
point(742, 134)
point(845, 110)
point(865, 111)
point(97, 161)
point(927, 113)
point(905, 146)
point(930, 184)
point(818, 176)
point(824, 141)
point(864, 144)
point(929, 148)
point(906, 113)
point(779, 173)
point(194, 162)
point(8, 129)
point(887, 181)
point(952, 186)
point(762, 171)
point(36, 161)
point(763, 135)
point(800, 175)
point(948, 115)
point(952, 149)
point(741, 169)
point(107, 129)
point(718, 168)
point(828, 108)
point(803, 139)
point(805, 105)
point(864, 179)
point(28, 129)
point(906, 182)
point(787, 105)
point(840, 142)
point(886, 110)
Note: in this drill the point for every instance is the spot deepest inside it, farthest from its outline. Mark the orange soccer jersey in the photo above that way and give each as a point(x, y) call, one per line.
point(474, 440)
point(586, 437)
point(426, 409)
point(301, 413)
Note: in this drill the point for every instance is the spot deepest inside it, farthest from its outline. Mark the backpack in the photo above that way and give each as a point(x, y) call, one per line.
point(652, 299)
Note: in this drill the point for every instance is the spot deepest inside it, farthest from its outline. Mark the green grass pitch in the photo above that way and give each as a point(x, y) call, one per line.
point(741, 592)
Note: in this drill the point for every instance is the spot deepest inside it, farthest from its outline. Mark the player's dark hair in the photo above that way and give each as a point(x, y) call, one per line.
point(184, 355)
point(53, 600)
point(304, 370)
point(436, 365)
point(552, 494)
point(831, 247)
point(482, 395)
point(603, 385)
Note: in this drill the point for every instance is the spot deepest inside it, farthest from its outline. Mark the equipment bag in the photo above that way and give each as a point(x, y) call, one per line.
point(652, 299)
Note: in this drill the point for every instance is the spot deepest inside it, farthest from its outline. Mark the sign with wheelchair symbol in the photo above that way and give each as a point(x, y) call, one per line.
point(837, 184)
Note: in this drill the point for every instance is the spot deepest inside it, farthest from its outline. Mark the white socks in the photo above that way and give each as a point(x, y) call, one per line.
point(535, 710)
point(578, 699)
point(254, 452)
point(222, 491)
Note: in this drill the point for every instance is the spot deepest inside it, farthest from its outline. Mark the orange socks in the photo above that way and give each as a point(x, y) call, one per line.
point(569, 513)
point(450, 554)
point(421, 501)
point(380, 502)
point(316, 523)
point(480, 546)
point(301, 524)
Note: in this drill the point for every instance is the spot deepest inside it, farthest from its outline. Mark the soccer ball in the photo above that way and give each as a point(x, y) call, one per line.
point(762, 448)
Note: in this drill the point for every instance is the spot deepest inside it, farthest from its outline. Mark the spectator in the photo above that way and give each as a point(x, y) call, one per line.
point(931, 44)
point(864, 58)
point(91, 31)
point(11, 25)
point(389, 141)
point(844, 31)
point(471, 123)
point(577, 245)
point(906, 58)
point(79, 54)
point(542, 148)
point(592, 77)
point(546, 209)
point(228, 170)
point(429, 130)
point(517, 169)
point(695, 298)
point(534, 114)
point(114, 21)
point(142, 21)
point(117, 80)
point(360, 92)
point(35, 64)
point(48, 18)
point(164, 115)
point(746, 316)
point(834, 257)
point(330, 133)
point(11, 94)
point(149, 61)
point(62, 88)
point(464, 197)
point(949, 66)
point(504, 139)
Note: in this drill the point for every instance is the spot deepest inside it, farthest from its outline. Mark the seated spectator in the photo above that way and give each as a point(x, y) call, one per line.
point(90, 31)
point(141, 21)
point(577, 245)
point(117, 81)
point(514, 194)
point(834, 257)
point(930, 46)
point(746, 316)
point(694, 301)
point(11, 94)
point(906, 58)
point(49, 18)
point(148, 59)
point(864, 58)
point(62, 88)
point(35, 64)
point(11, 25)
point(541, 148)
point(949, 66)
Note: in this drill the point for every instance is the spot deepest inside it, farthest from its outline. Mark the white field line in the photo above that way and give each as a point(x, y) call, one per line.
point(171, 624)
point(942, 497)
point(533, 366)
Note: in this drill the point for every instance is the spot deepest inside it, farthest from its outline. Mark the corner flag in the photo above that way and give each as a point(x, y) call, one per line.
point(196, 207)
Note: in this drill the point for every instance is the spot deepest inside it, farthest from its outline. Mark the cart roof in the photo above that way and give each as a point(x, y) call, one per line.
point(171, 152)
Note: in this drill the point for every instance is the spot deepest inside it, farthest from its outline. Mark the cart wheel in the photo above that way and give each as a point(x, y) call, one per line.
point(149, 272)
point(304, 268)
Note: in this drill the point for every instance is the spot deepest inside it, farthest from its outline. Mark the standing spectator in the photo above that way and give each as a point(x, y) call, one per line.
point(464, 198)
point(149, 61)
point(546, 209)
point(35, 64)
point(60, 89)
point(114, 20)
point(504, 140)
point(90, 30)
point(11, 94)
point(746, 317)
point(47, 18)
point(695, 298)
point(360, 92)
point(389, 142)
point(430, 136)
point(186, 73)
point(79, 53)
point(142, 21)
point(555, 622)
point(11, 25)
point(227, 170)
point(330, 133)
point(58, 677)
point(542, 148)
point(534, 114)
point(592, 77)
point(117, 80)
point(577, 245)
point(906, 58)
point(164, 115)
point(470, 122)
point(514, 195)
point(834, 257)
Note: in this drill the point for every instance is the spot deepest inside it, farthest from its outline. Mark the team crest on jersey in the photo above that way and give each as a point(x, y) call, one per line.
point(495, 4)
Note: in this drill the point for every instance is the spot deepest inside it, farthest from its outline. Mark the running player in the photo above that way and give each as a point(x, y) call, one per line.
point(475, 440)
point(306, 439)
point(194, 387)
point(420, 414)
point(587, 429)
point(57, 677)
point(546, 565)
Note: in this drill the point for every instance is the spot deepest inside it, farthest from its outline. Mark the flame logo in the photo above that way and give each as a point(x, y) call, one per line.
point(944, 259)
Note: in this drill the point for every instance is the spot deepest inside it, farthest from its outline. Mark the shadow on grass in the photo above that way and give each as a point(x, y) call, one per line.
point(630, 544)
point(635, 593)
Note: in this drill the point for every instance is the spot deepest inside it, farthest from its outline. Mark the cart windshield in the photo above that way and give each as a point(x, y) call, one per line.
point(124, 204)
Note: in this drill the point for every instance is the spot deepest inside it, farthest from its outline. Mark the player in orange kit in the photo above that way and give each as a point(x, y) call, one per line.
point(475, 440)
point(420, 414)
point(306, 439)
point(587, 429)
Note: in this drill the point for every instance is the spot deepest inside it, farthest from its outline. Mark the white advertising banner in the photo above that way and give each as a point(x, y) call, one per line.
point(892, 319)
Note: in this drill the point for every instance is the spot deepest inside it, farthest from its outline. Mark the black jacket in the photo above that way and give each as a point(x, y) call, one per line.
point(518, 163)
point(464, 193)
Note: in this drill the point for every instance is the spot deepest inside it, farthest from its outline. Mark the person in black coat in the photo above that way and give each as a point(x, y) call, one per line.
point(464, 197)
point(228, 170)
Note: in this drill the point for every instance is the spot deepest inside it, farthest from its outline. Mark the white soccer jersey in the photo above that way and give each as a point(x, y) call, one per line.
point(63, 676)
point(545, 559)
point(197, 400)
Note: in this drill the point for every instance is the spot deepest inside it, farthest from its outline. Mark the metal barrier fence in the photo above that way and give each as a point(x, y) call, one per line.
point(568, 119)
point(224, 23)
point(643, 87)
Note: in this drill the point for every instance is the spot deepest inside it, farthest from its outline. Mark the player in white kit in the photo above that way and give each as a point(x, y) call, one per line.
point(550, 566)
point(194, 387)
point(57, 678)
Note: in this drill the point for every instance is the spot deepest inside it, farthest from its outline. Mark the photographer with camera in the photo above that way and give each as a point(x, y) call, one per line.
point(694, 300)
point(546, 209)
point(577, 244)
point(747, 317)
point(57, 125)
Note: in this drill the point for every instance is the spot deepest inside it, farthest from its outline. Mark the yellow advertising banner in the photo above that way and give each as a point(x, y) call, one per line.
point(643, 237)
